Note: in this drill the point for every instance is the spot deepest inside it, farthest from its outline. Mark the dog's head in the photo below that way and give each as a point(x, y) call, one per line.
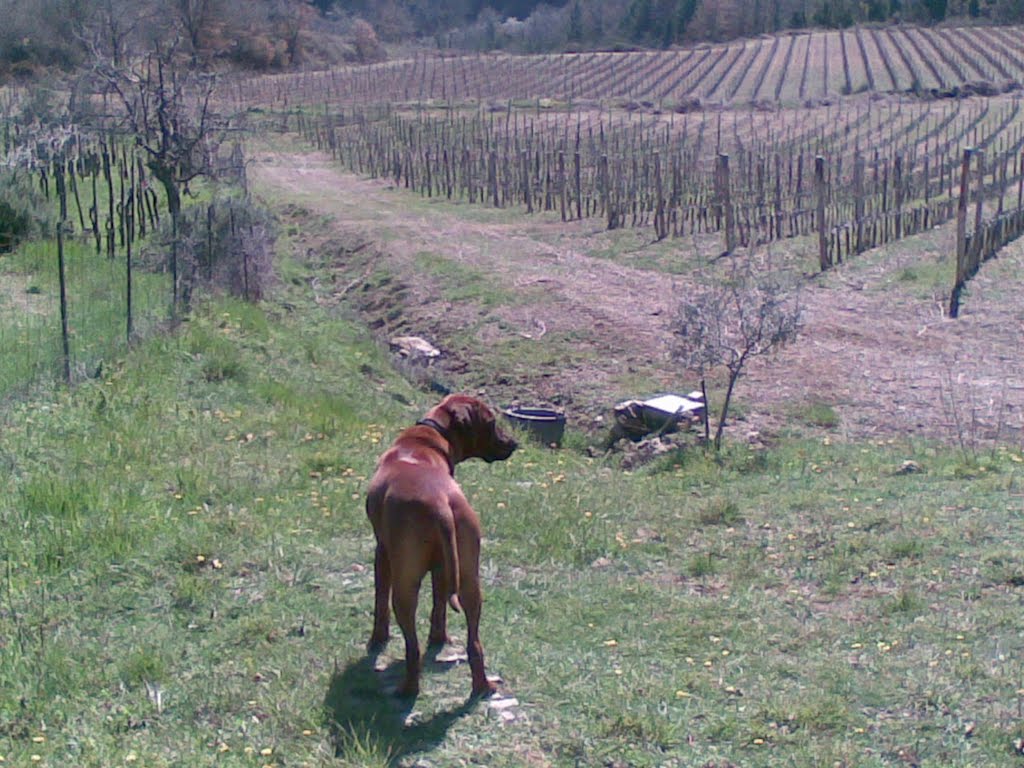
point(473, 429)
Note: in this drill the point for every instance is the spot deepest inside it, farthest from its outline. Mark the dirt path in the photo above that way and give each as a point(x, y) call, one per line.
point(874, 344)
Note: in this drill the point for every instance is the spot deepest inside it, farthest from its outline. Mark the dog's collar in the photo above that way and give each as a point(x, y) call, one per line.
point(443, 432)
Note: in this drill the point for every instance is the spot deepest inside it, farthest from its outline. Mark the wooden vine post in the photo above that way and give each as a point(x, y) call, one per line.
point(1020, 183)
point(130, 222)
point(62, 272)
point(660, 224)
point(961, 234)
point(974, 260)
point(824, 259)
point(898, 184)
point(65, 342)
point(724, 202)
point(858, 200)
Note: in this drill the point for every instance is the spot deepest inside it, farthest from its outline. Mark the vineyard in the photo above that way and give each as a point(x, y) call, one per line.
point(193, 400)
point(784, 70)
point(859, 174)
point(854, 135)
point(847, 139)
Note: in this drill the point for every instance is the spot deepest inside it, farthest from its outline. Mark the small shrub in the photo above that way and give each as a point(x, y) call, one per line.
point(226, 246)
point(906, 603)
point(818, 414)
point(220, 360)
point(144, 665)
point(906, 548)
point(728, 324)
point(14, 226)
point(720, 510)
point(23, 214)
point(255, 51)
point(701, 566)
point(364, 749)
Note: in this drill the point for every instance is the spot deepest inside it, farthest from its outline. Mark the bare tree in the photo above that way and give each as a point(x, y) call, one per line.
point(367, 45)
point(201, 22)
point(110, 28)
point(729, 324)
point(167, 107)
point(290, 19)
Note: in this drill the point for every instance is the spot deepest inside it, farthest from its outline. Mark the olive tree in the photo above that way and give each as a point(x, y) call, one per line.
point(727, 325)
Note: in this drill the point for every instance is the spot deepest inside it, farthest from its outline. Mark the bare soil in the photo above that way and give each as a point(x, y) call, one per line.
point(875, 345)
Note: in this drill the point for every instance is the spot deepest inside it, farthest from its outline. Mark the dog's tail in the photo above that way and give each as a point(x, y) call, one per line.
point(450, 554)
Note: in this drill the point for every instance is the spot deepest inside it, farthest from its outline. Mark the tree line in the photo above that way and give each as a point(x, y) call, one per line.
point(264, 35)
point(42, 35)
point(531, 26)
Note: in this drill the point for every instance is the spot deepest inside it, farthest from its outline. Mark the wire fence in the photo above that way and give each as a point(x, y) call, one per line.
point(100, 276)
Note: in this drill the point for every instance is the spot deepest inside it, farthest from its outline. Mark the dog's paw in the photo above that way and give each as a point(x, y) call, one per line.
point(484, 690)
point(407, 690)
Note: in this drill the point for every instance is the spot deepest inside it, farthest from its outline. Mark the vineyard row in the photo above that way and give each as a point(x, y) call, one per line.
point(632, 176)
point(789, 69)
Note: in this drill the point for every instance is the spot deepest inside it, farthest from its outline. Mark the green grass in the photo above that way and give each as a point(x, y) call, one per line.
point(815, 414)
point(463, 283)
point(186, 578)
point(30, 326)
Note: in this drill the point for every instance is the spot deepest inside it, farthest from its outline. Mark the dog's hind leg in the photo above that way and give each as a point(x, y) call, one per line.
point(439, 612)
point(405, 594)
point(444, 580)
point(472, 603)
point(382, 596)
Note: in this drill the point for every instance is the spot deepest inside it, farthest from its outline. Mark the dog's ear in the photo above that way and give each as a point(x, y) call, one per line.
point(467, 412)
point(461, 413)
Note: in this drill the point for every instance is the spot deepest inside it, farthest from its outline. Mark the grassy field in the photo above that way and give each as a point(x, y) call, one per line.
point(30, 323)
point(187, 579)
point(30, 331)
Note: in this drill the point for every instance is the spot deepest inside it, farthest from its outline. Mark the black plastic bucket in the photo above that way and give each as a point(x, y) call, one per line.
point(544, 424)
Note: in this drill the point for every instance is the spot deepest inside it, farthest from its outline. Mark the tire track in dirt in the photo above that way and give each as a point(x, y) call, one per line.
point(609, 309)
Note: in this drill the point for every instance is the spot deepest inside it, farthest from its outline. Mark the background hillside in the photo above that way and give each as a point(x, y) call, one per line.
point(275, 35)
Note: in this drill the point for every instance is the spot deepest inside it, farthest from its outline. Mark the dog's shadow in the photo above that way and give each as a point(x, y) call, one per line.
point(363, 717)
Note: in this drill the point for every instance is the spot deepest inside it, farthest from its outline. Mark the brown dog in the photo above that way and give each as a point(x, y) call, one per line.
point(423, 522)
